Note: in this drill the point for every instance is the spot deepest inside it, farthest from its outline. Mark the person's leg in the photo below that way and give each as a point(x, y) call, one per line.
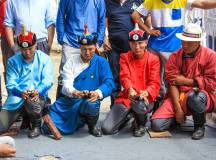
point(90, 111)
point(114, 119)
point(140, 110)
point(196, 103)
point(7, 118)
point(67, 53)
point(162, 124)
point(163, 58)
point(6, 53)
point(34, 110)
point(114, 57)
point(42, 44)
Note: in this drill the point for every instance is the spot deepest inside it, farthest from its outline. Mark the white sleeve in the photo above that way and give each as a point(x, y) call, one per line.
point(68, 78)
point(100, 93)
point(143, 11)
point(189, 3)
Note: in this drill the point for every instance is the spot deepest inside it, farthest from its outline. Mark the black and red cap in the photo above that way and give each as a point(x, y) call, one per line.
point(137, 34)
point(26, 39)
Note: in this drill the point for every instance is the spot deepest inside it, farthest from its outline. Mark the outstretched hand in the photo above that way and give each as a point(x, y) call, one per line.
point(7, 151)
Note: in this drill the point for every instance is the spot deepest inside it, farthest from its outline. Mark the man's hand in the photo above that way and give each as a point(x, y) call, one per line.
point(132, 93)
point(7, 151)
point(179, 115)
point(25, 94)
point(34, 95)
point(155, 32)
point(79, 94)
point(93, 96)
point(144, 95)
point(106, 44)
point(178, 80)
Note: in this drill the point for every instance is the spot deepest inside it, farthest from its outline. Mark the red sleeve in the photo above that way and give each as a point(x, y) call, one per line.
point(207, 79)
point(124, 74)
point(153, 85)
point(172, 66)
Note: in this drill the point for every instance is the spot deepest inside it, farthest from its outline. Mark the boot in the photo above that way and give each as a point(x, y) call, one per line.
point(199, 126)
point(91, 122)
point(35, 131)
point(139, 128)
point(198, 133)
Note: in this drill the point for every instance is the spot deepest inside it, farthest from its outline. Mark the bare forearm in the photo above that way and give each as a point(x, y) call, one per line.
point(204, 4)
point(190, 82)
point(10, 36)
point(138, 19)
point(51, 32)
point(174, 94)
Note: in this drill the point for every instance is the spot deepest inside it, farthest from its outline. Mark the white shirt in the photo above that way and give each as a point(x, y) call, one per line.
point(72, 68)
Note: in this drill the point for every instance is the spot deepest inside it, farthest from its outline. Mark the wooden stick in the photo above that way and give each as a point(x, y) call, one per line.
point(52, 127)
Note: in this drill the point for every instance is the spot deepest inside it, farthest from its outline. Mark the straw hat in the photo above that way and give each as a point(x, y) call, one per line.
point(192, 32)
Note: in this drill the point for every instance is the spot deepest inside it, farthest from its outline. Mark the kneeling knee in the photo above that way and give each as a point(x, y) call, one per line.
point(91, 108)
point(157, 126)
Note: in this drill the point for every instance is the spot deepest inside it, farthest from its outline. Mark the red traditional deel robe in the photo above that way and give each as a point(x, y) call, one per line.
point(141, 74)
point(201, 68)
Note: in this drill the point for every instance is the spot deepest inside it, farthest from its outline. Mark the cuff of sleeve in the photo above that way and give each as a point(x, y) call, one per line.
point(68, 91)
point(151, 93)
point(100, 93)
point(199, 82)
point(17, 92)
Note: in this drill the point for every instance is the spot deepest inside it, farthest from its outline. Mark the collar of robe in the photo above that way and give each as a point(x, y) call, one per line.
point(190, 55)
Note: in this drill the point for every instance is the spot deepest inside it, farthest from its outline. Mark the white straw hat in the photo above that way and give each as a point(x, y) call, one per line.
point(192, 32)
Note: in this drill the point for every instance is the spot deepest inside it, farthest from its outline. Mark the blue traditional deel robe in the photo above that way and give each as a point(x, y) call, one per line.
point(22, 75)
point(65, 112)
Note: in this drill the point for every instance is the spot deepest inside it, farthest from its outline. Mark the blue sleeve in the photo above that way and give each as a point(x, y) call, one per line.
point(50, 16)
point(101, 22)
point(12, 77)
point(106, 79)
point(60, 21)
point(9, 17)
point(47, 78)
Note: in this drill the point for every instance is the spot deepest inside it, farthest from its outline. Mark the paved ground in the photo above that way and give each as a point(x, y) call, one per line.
point(82, 146)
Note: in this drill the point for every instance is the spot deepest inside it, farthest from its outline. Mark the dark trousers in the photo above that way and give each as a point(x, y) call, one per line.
point(114, 57)
point(42, 44)
point(32, 109)
point(115, 119)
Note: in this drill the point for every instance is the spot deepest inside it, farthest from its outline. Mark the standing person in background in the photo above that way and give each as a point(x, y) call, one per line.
point(119, 24)
point(5, 49)
point(167, 18)
point(37, 16)
point(71, 17)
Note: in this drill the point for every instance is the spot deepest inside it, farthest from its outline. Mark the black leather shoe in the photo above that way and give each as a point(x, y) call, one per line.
point(139, 132)
point(95, 131)
point(198, 133)
point(35, 132)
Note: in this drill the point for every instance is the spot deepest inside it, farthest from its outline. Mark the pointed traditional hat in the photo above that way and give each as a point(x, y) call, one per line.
point(26, 39)
point(137, 34)
point(87, 38)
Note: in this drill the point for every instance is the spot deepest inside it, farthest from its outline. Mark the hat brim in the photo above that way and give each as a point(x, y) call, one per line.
point(184, 38)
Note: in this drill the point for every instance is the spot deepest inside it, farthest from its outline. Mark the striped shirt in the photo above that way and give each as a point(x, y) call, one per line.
point(168, 17)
